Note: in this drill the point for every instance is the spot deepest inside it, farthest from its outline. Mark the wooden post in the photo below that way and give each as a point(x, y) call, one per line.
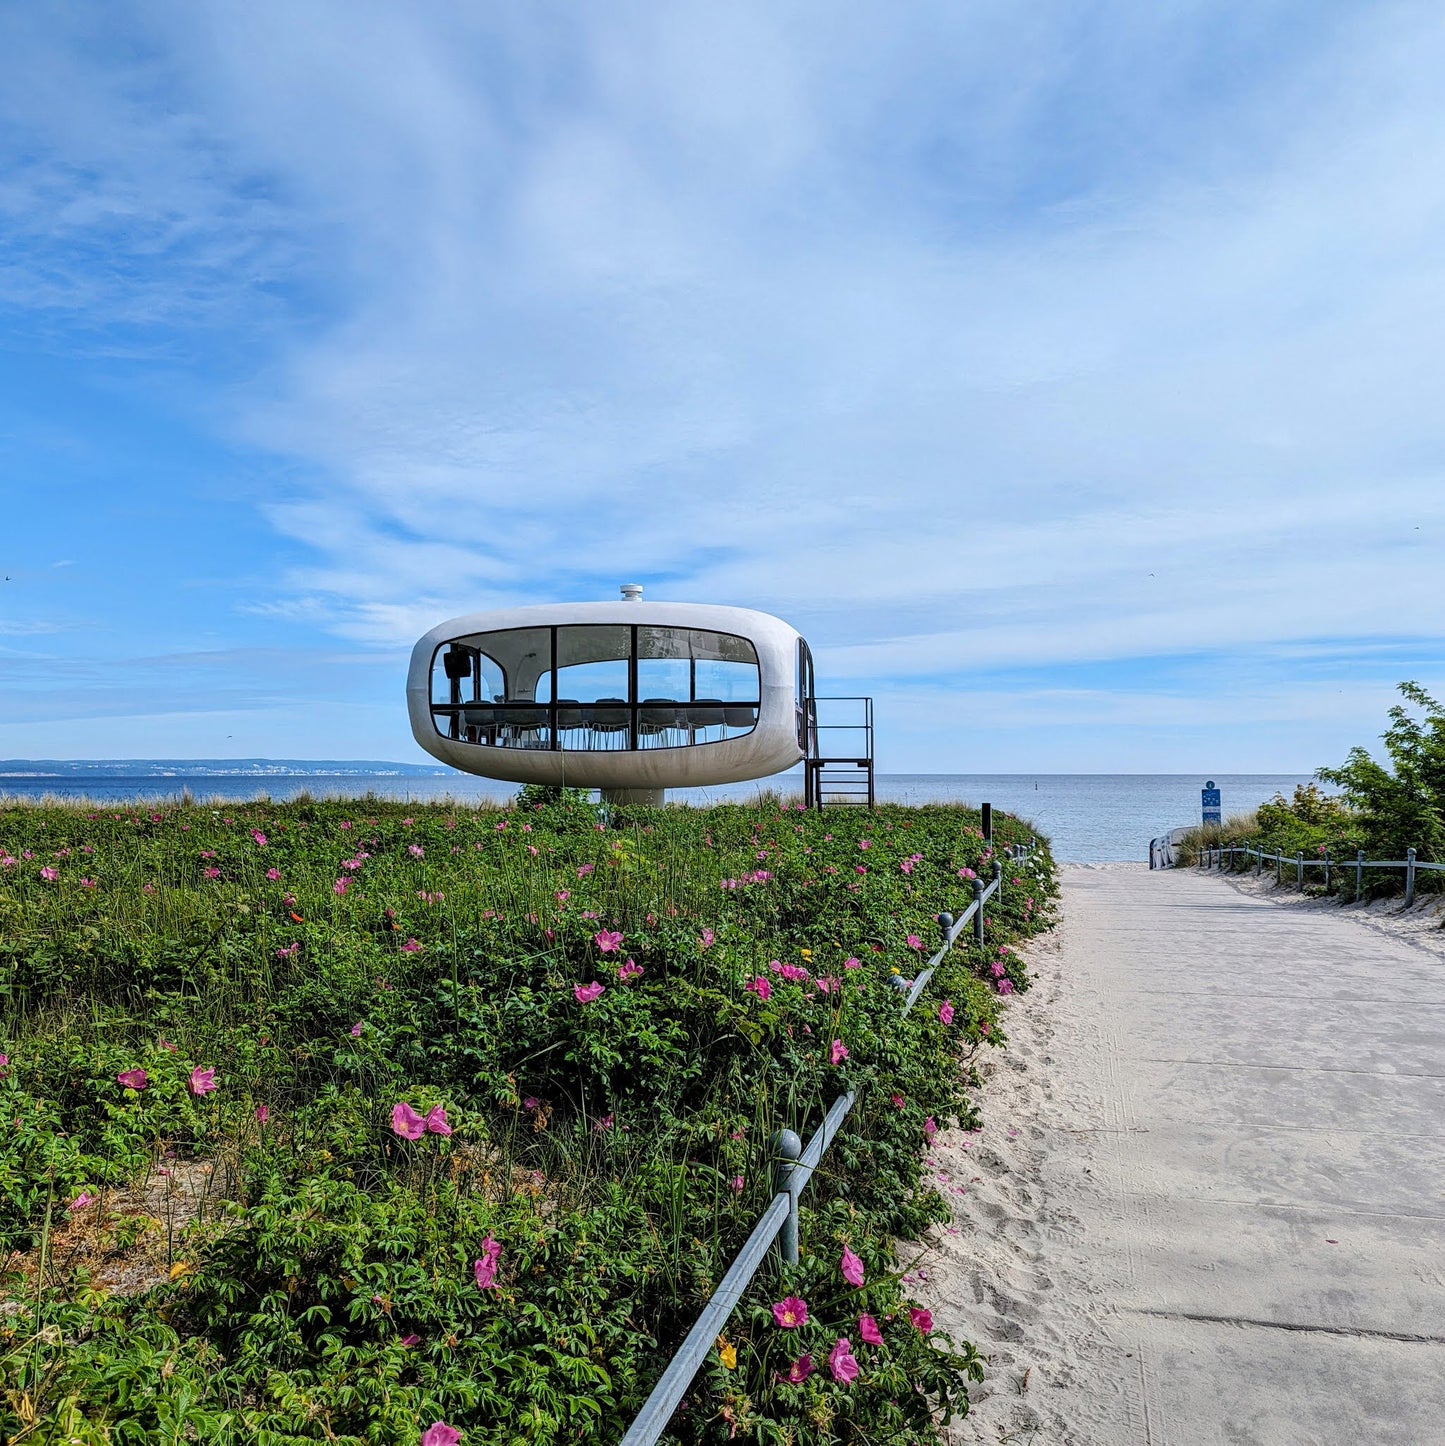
point(988, 825)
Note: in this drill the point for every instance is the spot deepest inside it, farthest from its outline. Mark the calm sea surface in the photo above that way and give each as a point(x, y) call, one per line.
point(1090, 817)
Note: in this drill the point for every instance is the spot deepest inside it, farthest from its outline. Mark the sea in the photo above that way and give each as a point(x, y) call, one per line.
point(1087, 817)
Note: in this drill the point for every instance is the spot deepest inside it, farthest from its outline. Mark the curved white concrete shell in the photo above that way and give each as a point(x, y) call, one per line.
point(631, 697)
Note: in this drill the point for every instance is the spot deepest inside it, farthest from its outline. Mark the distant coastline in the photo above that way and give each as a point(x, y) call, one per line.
point(78, 770)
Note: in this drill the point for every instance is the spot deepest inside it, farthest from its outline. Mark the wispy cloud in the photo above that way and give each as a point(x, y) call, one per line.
point(962, 336)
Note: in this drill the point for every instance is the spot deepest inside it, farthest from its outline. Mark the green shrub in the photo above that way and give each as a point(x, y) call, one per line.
point(616, 1148)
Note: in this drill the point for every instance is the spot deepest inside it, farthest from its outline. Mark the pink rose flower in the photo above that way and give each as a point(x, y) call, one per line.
point(920, 1320)
point(440, 1434)
point(132, 1079)
point(436, 1120)
point(407, 1123)
point(851, 1267)
point(203, 1081)
point(791, 1312)
point(798, 1372)
point(608, 941)
point(760, 987)
point(586, 993)
point(485, 1269)
point(868, 1331)
point(838, 1053)
point(263, 1113)
point(842, 1363)
point(411, 947)
point(630, 970)
point(945, 1011)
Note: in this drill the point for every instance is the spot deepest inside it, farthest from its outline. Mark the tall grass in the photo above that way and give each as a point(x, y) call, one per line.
point(1235, 829)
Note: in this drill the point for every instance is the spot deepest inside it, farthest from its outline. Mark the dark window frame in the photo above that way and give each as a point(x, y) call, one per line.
point(451, 712)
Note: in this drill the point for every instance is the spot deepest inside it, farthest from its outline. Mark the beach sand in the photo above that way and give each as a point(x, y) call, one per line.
point(1207, 1203)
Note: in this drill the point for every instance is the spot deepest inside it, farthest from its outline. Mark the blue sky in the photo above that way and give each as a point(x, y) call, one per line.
point(1068, 373)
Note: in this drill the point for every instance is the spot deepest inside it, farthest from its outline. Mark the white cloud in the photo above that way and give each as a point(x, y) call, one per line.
point(960, 335)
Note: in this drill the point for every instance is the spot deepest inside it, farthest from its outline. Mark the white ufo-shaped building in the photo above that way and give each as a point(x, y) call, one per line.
point(630, 697)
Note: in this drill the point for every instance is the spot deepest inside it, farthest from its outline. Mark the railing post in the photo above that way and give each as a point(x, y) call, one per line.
point(1359, 873)
point(1278, 867)
point(988, 825)
point(790, 1151)
point(998, 879)
point(1327, 871)
point(1299, 867)
point(1409, 877)
point(945, 924)
point(978, 912)
point(1258, 861)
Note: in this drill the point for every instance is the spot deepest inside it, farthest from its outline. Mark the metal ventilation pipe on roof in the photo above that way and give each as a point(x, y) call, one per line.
point(631, 592)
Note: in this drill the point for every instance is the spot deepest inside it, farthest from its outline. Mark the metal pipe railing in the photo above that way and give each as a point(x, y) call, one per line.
point(1214, 858)
point(795, 1166)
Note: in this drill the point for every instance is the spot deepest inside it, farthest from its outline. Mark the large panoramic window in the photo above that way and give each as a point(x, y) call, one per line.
point(587, 687)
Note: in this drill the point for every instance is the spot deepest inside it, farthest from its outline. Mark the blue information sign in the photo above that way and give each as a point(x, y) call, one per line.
point(1209, 802)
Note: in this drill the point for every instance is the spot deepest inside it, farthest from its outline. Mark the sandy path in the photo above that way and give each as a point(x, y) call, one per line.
point(1208, 1201)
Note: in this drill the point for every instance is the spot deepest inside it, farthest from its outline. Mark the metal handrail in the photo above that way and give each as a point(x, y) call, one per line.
point(1214, 857)
point(796, 1166)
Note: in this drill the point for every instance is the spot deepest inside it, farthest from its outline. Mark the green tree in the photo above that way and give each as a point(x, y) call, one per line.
point(1401, 805)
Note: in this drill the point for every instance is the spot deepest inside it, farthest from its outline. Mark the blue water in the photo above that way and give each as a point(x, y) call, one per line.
point(1089, 817)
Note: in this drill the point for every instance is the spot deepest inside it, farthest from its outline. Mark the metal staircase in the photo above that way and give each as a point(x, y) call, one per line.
point(838, 742)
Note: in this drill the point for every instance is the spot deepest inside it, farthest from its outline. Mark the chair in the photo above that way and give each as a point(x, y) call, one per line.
point(522, 725)
point(610, 720)
point(657, 718)
point(740, 720)
point(703, 714)
point(570, 718)
point(479, 725)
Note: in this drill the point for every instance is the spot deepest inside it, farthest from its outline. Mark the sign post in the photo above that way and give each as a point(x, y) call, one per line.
point(1209, 803)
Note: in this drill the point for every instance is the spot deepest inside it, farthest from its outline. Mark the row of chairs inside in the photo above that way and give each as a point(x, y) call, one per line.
point(614, 715)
